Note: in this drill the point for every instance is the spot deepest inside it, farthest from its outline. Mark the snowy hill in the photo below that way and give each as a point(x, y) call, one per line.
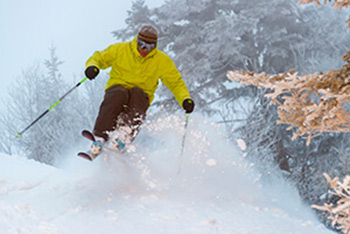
point(141, 191)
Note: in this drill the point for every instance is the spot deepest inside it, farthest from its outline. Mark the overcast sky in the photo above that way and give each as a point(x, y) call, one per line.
point(77, 28)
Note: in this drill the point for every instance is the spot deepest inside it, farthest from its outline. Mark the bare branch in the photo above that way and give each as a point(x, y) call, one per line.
point(338, 4)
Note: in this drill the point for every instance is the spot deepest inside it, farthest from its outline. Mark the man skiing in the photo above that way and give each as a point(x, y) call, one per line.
point(137, 66)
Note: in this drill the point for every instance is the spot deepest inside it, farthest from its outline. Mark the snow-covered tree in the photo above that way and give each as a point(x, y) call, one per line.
point(31, 95)
point(138, 15)
point(59, 130)
point(38, 92)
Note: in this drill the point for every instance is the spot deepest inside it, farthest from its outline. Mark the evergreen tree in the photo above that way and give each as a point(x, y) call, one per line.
point(27, 101)
point(137, 16)
point(60, 128)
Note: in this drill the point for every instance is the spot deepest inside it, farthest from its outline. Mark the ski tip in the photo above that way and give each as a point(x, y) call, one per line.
point(85, 155)
point(88, 134)
point(84, 132)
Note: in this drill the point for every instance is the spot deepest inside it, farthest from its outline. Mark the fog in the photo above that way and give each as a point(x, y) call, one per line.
point(76, 28)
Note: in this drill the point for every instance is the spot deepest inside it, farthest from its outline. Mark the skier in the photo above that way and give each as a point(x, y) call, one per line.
point(137, 66)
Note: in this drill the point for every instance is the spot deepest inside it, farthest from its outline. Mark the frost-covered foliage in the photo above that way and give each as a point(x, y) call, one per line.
point(313, 104)
point(339, 213)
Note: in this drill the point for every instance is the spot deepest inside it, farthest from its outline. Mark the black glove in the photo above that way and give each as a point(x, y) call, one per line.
point(188, 105)
point(91, 72)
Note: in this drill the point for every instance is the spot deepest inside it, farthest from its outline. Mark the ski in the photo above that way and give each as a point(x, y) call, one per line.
point(87, 155)
point(87, 134)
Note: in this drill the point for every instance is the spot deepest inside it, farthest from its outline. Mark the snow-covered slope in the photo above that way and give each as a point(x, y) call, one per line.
point(142, 192)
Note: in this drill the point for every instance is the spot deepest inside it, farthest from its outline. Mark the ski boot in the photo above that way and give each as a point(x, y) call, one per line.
point(118, 144)
point(96, 148)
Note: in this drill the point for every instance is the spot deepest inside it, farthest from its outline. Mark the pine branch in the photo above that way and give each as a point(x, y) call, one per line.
point(312, 104)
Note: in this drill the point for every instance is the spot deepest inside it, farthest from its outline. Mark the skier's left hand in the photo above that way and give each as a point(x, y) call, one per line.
point(188, 105)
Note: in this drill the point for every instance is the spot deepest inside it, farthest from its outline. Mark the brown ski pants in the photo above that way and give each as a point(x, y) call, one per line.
point(121, 107)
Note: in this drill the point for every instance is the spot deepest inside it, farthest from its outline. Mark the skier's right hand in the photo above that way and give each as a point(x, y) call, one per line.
point(91, 72)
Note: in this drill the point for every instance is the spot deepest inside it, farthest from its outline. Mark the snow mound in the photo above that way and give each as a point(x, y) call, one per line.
point(151, 189)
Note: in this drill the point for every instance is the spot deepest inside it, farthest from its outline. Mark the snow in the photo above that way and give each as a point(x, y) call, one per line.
point(241, 144)
point(141, 191)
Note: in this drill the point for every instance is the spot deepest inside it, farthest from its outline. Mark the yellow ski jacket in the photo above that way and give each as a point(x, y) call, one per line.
point(130, 69)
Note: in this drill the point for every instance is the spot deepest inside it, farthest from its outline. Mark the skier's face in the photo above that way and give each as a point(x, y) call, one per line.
point(144, 48)
point(143, 52)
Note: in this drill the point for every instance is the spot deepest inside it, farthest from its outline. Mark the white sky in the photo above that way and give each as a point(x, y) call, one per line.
point(76, 27)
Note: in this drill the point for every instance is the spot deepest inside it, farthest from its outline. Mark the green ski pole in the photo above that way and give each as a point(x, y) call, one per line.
point(19, 134)
point(183, 144)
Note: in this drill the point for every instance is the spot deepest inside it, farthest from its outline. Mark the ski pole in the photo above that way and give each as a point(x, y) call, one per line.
point(19, 134)
point(183, 144)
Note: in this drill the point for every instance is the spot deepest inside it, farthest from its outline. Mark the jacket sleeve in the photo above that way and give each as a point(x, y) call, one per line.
point(172, 79)
point(103, 59)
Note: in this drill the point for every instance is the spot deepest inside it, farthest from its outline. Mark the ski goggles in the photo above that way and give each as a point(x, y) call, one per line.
point(145, 46)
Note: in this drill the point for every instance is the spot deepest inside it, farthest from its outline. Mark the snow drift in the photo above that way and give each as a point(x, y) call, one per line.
point(141, 191)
